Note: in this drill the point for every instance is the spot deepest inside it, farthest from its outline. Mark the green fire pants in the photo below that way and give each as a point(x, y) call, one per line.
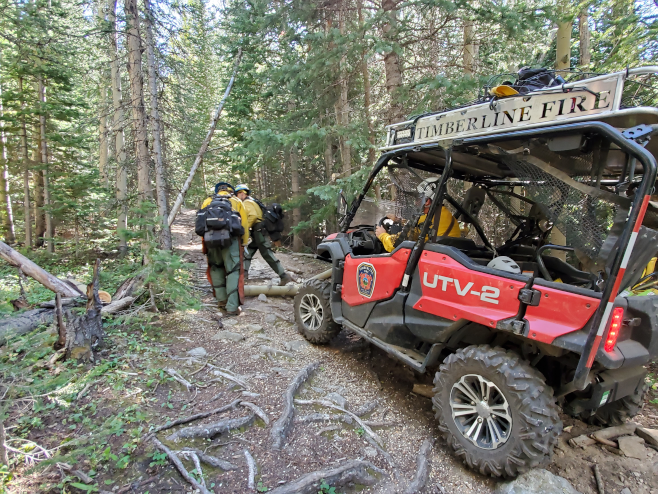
point(260, 241)
point(224, 269)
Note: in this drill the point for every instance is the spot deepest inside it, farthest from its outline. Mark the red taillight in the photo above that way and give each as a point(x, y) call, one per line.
point(615, 326)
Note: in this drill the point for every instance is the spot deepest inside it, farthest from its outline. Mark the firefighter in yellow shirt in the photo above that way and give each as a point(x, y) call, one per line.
point(448, 227)
point(224, 264)
point(260, 239)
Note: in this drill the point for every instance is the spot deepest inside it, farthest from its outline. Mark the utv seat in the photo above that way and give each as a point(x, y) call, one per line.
point(457, 242)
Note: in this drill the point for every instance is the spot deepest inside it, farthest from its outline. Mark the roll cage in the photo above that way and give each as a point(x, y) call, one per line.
point(441, 160)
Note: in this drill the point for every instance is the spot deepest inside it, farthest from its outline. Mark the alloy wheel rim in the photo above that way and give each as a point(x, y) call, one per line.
point(480, 411)
point(311, 312)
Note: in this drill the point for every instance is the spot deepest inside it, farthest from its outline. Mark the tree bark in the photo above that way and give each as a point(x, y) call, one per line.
point(50, 231)
point(160, 185)
point(26, 170)
point(296, 211)
point(342, 105)
point(103, 135)
point(117, 128)
point(5, 197)
point(470, 48)
point(392, 67)
point(206, 142)
point(372, 156)
point(133, 41)
point(563, 45)
point(31, 269)
point(84, 332)
point(584, 34)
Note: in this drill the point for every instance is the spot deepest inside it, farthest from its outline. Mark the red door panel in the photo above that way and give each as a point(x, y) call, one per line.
point(558, 313)
point(453, 291)
point(368, 279)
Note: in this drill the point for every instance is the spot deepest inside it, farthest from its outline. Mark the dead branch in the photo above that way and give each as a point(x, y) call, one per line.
point(422, 468)
point(268, 350)
point(257, 410)
point(128, 287)
point(198, 416)
point(599, 479)
point(211, 430)
point(3, 450)
point(354, 471)
point(220, 372)
point(31, 269)
point(179, 378)
point(118, 305)
point(179, 465)
point(61, 341)
point(281, 427)
point(24, 323)
point(329, 404)
point(213, 461)
point(252, 469)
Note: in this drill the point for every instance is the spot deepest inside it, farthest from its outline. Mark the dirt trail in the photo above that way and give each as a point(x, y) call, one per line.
point(350, 370)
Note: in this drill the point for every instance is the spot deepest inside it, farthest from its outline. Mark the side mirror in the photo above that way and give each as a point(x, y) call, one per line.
point(342, 204)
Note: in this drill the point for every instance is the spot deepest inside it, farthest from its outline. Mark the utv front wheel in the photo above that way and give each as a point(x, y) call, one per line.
point(313, 312)
point(495, 411)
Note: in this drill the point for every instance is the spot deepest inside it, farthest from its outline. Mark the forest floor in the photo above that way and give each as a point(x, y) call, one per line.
point(98, 422)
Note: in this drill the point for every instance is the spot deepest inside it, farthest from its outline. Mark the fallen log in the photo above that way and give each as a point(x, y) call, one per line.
point(24, 323)
point(353, 471)
point(271, 290)
point(117, 305)
point(85, 332)
point(128, 287)
point(211, 430)
point(281, 427)
point(28, 267)
point(422, 468)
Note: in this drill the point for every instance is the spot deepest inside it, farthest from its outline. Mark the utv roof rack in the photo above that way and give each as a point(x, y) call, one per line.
point(595, 98)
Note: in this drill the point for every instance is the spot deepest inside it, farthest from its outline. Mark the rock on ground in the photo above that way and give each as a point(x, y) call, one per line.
point(537, 481)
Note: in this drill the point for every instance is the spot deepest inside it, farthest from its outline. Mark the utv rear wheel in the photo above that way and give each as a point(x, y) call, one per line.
point(620, 411)
point(313, 312)
point(495, 411)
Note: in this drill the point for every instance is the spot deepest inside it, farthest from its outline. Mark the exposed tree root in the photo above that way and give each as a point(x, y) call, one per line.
point(281, 427)
point(268, 350)
point(252, 469)
point(198, 416)
point(366, 408)
point(213, 461)
point(179, 466)
point(355, 471)
point(386, 455)
point(211, 430)
point(257, 410)
point(179, 378)
point(329, 404)
point(422, 468)
point(197, 464)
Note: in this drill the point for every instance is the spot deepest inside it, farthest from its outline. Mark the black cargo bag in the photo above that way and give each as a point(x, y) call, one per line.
point(218, 222)
point(273, 218)
point(532, 79)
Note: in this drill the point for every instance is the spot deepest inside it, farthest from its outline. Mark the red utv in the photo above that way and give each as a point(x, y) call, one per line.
point(545, 300)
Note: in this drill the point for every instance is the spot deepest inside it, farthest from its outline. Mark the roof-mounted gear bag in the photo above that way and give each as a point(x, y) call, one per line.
point(272, 219)
point(218, 222)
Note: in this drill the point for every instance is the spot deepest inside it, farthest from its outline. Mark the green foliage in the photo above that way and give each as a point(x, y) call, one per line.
point(159, 459)
point(326, 488)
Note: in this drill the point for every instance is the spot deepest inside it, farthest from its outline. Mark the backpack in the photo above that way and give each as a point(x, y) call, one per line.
point(532, 79)
point(272, 219)
point(218, 223)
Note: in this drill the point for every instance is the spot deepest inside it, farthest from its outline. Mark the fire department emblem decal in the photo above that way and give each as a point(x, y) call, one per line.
point(365, 279)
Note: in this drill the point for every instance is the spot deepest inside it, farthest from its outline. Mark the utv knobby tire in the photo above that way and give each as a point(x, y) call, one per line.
point(620, 411)
point(320, 289)
point(535, 422)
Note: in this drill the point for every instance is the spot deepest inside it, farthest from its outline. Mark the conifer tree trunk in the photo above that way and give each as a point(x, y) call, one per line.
point(470, 48)
point(5, 197)
point(160, 184)
point(584, 35)
point(117, 128)
point(133, 41)
point(50, 231)
point(39, 217)
point(342, 104)
point(296, 211)
point(103, 133)
point(392, 67)
point(367, 94)
point(563, 48)
point(26, 170)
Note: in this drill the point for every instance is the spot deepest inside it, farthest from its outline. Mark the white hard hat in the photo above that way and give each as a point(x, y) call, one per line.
point(504, 263)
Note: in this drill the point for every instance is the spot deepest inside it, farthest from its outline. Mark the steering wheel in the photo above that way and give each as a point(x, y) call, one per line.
point(391, 226)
